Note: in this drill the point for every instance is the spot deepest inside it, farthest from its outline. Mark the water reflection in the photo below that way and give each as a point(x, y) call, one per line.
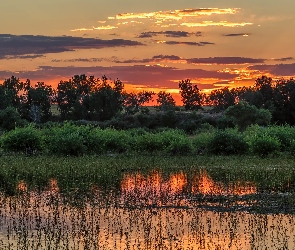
point(150, 212)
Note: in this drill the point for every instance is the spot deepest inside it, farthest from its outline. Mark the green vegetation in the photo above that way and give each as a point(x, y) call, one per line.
point(106, 172)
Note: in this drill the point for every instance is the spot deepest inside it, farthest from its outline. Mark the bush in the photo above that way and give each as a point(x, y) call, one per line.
point(10, 118)
point(148, 142)
point(180, 146)
point(201, 142)
point(67, 140)
point(285, 134)
point(27, 140)
point(108, 140)
point(264, 144)
point(227, 142)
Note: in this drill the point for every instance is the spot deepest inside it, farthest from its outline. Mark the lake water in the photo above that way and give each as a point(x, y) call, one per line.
point(148, 212)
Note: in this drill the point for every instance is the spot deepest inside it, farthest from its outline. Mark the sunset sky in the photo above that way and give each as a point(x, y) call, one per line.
point(148, 44)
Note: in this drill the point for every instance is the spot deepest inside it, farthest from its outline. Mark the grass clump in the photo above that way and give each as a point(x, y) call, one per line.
point(27, 140)
point(227, 142)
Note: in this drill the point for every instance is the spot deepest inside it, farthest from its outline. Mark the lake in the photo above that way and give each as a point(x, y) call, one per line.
point(148, 212)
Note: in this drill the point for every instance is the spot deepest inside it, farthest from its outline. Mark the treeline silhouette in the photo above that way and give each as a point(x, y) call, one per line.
point(89, 99)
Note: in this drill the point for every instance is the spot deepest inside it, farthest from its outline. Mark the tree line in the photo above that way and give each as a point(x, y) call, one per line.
point(98, 99)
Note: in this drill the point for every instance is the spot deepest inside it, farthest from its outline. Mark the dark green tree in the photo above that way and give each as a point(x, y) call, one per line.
point(71, 94)
point(191, 96)
point(243, 114)
point(222, 98)
point(12, 92)
point(165, 101)
point(133, 102)
point(105, 101)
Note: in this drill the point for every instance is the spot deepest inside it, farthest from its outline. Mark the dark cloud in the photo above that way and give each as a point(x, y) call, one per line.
point(14, 45)
point(23, 56)
point(225, 60)
point(284, 59)
point(166, 57)
point(206, 60)
point(157, 58)
point(169, 33)
point(79, 60)
point(188, 43)
point(237, 34)
point(138, 75)
point(277, 70)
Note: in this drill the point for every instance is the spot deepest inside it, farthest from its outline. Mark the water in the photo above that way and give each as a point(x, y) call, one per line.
point(149, 212)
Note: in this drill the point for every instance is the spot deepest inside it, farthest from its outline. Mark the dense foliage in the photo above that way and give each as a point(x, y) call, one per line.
point(78, 140)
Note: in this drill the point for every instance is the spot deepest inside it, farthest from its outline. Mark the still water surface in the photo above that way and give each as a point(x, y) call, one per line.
point(149, 212)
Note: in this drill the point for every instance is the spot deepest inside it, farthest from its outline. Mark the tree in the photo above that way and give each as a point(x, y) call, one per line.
point(105, 101)
point(71, 94)
point(12, 92)
point(243, 114)
point(37, 104)
point(165, 101)
point(133, 102)
point(284, 101)
point(222, 98)
point(191, 96)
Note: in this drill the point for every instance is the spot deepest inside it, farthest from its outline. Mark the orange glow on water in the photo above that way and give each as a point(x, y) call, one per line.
point(53, 187)
point(204, 184)
point(22, 186)
point(155, 185)
point(177, 182)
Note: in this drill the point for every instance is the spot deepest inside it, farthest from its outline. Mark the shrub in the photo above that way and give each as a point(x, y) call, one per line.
point(10, 118)
point(227, 142)
point(67, 140)
point(285, 134)
point(201, 142)
point(108, 140)
point(148, 142)
point(264, 144)
point(180, 146)
point(27, 140)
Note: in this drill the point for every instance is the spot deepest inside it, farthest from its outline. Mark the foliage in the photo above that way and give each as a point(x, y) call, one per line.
point(222, 98)
point(10, 118)
point(165, 101)
point(37, 104)
point(133, 102)
point(27, 140)
point(243, 114)
point(201, 142)
point(227, 142)
point(191, 96)
point(67, 140)
point(264, 144)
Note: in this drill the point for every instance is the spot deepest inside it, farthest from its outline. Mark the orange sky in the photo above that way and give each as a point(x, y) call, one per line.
point(148, 45)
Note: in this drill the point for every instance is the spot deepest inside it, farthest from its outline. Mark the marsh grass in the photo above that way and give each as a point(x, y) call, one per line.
point(89, 209)
point(72, 173)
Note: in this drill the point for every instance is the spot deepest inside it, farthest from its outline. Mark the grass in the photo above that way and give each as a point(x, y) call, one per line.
point(106, 171)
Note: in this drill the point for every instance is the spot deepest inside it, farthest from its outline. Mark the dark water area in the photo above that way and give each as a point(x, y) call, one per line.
point(149, 212)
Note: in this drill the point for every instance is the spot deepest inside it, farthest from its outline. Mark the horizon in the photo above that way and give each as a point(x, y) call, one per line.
point(149, 46)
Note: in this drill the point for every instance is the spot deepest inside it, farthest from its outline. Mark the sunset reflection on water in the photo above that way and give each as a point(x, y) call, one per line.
point(151, 211)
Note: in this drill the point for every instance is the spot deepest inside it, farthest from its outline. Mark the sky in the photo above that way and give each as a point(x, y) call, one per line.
point(148, 45)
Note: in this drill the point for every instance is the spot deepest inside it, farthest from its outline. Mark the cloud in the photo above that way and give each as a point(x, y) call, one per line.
point(169, 33)
point(225, 60)
point(198, 61)
point(277, 69)
point(175, 14)
point(23, 56)
point(151, 76)
point(212, 23)
point(237, 34)
point(186, 43)
point(14, 45)
point(284, 59)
